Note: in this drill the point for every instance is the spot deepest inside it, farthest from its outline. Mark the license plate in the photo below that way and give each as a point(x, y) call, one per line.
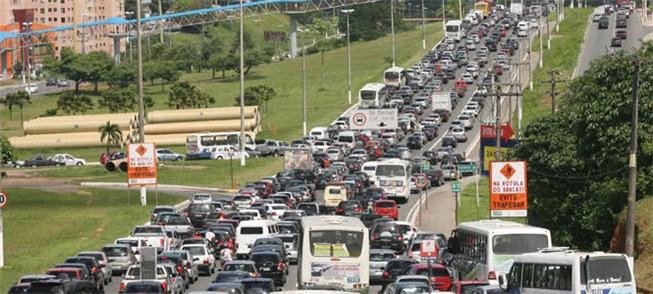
point(264, 269)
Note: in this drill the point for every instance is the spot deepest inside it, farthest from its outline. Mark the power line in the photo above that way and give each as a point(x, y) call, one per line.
point(553, 81)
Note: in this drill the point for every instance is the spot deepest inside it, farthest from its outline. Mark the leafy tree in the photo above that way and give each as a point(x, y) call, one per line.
point(184, 95)
point(254, 53)
point(110, 133)
point(71, 103)
point(183, 56)
point(7, 152)
point(578, 157)
point(97, 64)
point(257, 95)
point(121, 75)
point(368, 22)
point(123, 100)
point(219, 61)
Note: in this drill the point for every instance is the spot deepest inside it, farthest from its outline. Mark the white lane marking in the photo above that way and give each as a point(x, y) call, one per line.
point(582, 47)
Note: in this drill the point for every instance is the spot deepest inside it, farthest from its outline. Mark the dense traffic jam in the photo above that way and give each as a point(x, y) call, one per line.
point(337, 218)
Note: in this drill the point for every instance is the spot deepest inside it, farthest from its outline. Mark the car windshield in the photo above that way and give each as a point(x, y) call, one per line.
point(239, 267)
point(226, 277)
point(258, 287)
point(381, 256)
point(287, 229)
point(195, 250)
point(148, 230)
point(202, 208)
point(177, 221)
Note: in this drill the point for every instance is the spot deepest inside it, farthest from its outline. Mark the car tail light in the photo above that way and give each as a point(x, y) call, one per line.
point(180, 269)
point(385, 275)
point(186, 213)
point(274, 213)
point(374, 237)
point(358, 209)
point(122, 287)
point(206, 261)
point(94, 270)
point(281, 266)
point(492, 275)
point(164, 285)
point(161, 241)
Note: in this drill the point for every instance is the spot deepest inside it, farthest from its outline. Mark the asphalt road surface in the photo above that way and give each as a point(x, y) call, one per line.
point(598, 41)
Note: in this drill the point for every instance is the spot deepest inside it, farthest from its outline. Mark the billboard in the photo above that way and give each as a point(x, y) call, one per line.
point(488, 152)
point(508, 189)
point(373, 119)
point(298, 158)
point(141, 164)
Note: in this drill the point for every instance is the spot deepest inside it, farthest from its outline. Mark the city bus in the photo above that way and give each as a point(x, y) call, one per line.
point(482, 8)
point(394, 77)
point(560, 270)
point(393, 175)
point(373, 95)
point(334, 250)
point(200, 145)
point(482, 250)
point(454, 29)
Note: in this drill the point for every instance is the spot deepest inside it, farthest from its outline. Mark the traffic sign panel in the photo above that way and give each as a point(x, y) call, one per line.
point(141, 160)
point(373, 119)
point(420, 181)
point(428, 249)
point(455, 187)
point(426, 165)
point(4, 200)
point(508, 189)
point(467, 168)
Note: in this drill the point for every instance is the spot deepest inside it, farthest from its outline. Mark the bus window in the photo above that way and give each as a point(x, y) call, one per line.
point(606, 270)
point(516, 244)
point(336, 243)
point(368, 95)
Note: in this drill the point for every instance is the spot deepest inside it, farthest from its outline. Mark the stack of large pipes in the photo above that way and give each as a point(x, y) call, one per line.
point(72, 130)
point(171, 127)
point(163, 127)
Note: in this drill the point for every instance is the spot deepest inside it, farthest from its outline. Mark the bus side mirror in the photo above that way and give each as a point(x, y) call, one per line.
point(502, 281)
point(452, 245)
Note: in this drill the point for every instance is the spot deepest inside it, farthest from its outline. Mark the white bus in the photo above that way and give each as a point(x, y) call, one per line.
point(334, 250)
point(199, 145)
point(454, 29)
point(484, 249)
point(559, 270)
point(394, 77)
point(393, 175)
point(373, 95)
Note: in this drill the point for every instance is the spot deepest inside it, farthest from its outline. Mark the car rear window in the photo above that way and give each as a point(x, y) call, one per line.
point(199, 208)
point(438, 272)
point(265, 258)
point(384, 204)
point(251, 230)
point(334, 191)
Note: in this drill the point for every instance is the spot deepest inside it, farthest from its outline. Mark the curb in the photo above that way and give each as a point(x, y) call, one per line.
point(582, 47)
point(176, 187)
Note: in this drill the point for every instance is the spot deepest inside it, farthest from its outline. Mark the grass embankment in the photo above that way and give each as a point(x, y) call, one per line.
point(41, 229)
point(468, 211)
point(210, 173)
point(564, 52)
point(284, 117)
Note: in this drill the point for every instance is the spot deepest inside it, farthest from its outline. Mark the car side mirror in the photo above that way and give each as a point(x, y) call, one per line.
point(502, 281)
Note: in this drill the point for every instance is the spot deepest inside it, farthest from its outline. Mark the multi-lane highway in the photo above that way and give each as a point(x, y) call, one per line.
point(597, 42)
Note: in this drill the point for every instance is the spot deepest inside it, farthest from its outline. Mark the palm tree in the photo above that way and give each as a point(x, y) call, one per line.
point(111, 133)
point(10, 100)
point(22, 98)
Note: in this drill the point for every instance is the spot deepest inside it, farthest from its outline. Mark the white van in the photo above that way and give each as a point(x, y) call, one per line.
point(333, 194)
point(347, 139)
point(320, 133)
point(523, 25)
point(247, 233)
point(369, 168)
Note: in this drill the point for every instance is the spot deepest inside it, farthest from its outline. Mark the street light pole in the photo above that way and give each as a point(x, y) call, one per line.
point(392, 27)
point(444, 15)
point(423, 27)
point(539, 32)
point(161, 23)
point(347, 12)
point(304, 124)
point(242, 89)
point(141, 106)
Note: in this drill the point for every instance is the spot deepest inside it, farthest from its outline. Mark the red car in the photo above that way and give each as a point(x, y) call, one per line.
point(460, 287)
point(66, 273)
point(440, 275)
point(387, 208)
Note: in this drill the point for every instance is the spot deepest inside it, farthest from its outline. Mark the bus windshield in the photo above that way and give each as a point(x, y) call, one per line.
point(368, 95)
point(338, 243)
point(390, 171)
point(391, 75)
point(516, 244)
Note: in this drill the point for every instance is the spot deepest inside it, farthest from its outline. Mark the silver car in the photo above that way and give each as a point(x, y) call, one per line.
point(378, 260)
point(290, 243)
point(177, 284)
point(120, 257)
point(189, 265)
point(168, 155)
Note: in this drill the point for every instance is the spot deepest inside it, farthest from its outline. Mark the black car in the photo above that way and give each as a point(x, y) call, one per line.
point(449, 141)
point(270, 265)
point(394, 268)
point(310, 208)
point(197, 213)
point(64, 286)
point(40, 160)
point(258, 285)
point(368, 219)
point(349, 207)
point(231, 276)
point(436, 178)
point(615, 42)
point(414, 142)
point(145, 286)
point(386, 235)
point(93, 267)
point(604, 23)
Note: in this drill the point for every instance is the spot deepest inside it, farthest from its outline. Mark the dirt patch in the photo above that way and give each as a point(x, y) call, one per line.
point(29, 180)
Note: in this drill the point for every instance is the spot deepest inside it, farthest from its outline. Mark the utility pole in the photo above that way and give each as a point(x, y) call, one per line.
point(519, 97)
point(632, 166)
point(242, 88)
point(141, 106)
point(162, 22)
point(553, 81)
point(423, 27)
point(347, 12)
point(497, 94)
point(392, 26)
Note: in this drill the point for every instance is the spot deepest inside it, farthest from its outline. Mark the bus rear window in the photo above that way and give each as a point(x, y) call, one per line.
point(606, 270)
point(368, 95)
point(516, 244)
point(336, 243)
point(334, 191)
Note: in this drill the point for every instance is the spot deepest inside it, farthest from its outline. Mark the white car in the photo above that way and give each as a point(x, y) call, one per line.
point(226, 152)
point(68, 159)
point(533, 23)
point(522, 33)
point(202, 257)
point(31, 88)
point(254, 213)
point(470, 44)
point(201, 198)
point(275, 211)
point(459, 134)
point(407, 230)
point(467, 121)
point(468, 78)
point(361, 153)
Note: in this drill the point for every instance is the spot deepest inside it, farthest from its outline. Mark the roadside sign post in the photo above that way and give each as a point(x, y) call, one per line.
point(3, 203)
point(476, 173)
point(455, 188)
point(428, 250)
point(420, 183)
point(373, 119)
point(141, 167)
point(231, 167)
point(508, 189)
